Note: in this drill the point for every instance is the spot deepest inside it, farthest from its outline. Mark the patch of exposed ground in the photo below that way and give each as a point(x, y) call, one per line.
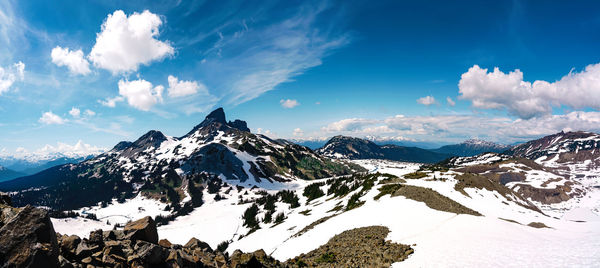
point(428, 196)
point(538, 225)
point(360, 247)
point(470, 180)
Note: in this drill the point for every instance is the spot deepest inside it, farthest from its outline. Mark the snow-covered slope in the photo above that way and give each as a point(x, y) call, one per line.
point(500, 236)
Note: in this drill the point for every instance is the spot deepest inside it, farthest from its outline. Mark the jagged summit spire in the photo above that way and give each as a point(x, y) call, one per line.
point(218, 115)
point(217, 119)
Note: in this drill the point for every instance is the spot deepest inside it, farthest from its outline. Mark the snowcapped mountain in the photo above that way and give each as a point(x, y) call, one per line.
point(561, 147)
point(472, 147)
point(31, 162)
point(165, 167)
point(343, 147)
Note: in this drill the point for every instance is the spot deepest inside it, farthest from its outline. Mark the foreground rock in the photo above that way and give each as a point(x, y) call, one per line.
point(27, 238)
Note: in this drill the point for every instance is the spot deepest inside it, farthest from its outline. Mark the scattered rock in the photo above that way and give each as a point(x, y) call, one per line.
point(197, 244)
point(165, 243)
point(142, 229)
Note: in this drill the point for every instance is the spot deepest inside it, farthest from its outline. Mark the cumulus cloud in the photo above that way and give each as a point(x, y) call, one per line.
point(298, 132)
point(50, 118)
point(450, 101)
point(125, 42)
point(350, 124)
point(74, 60)
point(266, 132)
point(427, 100)
point(499, 90)
point(140, 94)
point(288, 104)
point(460, 127)
point(74, 112)
point(184, 88)
point(10, 75)
point(111, 102)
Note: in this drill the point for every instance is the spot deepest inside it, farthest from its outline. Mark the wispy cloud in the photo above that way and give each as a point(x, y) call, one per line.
point(258, 57)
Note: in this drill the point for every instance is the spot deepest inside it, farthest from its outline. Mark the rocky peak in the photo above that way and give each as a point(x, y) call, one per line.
point(216, 120)
point(217, 115)
point(152, 137)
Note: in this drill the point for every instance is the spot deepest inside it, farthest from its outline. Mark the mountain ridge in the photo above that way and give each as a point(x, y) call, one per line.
point(344, 147)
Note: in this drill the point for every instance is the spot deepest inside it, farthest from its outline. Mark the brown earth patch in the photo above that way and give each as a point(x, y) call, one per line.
point(428, 196)
point(360, 247)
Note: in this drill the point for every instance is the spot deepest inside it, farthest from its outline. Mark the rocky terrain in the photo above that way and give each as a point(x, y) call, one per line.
point(342, 147)
point(28, 239)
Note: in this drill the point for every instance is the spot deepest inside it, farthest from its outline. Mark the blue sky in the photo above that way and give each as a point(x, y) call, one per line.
point(105, 71)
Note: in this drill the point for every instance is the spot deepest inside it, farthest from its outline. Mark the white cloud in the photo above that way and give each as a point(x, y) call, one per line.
point(427, 100)
point(460, 127)
point(289, 103)
point(72, 59)
point(140, 94)
point(184, 88)
point(74, 112)
point(10, 75)
point(298, 132)
point(350, 124)
point(498, 90)
point(50, 118)
point(266, 132)
point(450, 101)
point(79, 149)
point(111, 102)
point(89, 113)
point(125, 42)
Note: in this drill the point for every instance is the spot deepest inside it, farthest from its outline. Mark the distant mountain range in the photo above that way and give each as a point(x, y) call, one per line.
point(343, 147)
point(472, 147)
point(171, 168)
point(28, 166)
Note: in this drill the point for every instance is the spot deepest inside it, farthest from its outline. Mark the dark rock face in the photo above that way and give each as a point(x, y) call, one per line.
point(143, 229)
point(217, 115)
point(28, 239)
point(239, 124)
